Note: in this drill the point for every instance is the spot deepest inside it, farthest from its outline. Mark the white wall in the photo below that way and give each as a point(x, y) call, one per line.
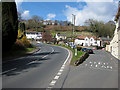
point(87, 42)
point(58, 37)
point(114, 42)
point(35, 36)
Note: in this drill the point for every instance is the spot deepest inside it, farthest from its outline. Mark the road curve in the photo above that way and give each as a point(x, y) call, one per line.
point(34, 71)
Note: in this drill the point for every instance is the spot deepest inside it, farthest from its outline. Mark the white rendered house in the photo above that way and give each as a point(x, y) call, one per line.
point(60, 36)
point(87, 41)
point(115, 43)
point(34, 35)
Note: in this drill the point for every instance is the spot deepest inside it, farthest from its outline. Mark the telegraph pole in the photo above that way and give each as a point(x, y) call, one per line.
point(74, 23)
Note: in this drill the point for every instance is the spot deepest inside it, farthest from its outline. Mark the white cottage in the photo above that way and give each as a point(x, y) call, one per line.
point(87, 41)
point(34, 35)
point(60, 36)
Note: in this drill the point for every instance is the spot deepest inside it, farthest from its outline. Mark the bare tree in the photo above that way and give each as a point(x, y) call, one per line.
point(46, 36)
point(37, 21)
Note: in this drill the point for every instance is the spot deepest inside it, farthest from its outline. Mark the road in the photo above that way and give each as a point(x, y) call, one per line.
point(100, 70)
point(46, 69)
point(34, 71)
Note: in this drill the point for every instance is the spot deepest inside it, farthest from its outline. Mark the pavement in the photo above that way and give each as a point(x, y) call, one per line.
point(49, 68)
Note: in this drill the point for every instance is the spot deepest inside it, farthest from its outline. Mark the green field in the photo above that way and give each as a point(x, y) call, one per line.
point(69, 33)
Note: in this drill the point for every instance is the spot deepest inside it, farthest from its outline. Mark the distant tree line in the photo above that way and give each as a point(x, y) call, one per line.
point(100, 28)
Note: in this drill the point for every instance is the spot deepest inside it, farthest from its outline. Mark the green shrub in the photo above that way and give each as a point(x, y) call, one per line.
point(26, 42)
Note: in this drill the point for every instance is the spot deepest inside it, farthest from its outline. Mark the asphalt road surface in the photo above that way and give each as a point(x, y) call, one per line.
point(47, 69)
point(34, 71)
point(100, 70)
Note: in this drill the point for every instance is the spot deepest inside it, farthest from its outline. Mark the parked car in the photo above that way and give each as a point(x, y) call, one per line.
point(84, 49)
point(90, 51)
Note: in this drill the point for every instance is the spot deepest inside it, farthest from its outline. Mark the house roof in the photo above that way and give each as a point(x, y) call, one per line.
point(83, 37)
point(33, 33)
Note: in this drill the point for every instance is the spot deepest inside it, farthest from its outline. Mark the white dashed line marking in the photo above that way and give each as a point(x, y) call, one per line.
point(90, 62)
point(96, 65)
point(53, 82)
point(91, 65)
point(49, 88)
point(104, 63)
point(8, 71)
point(99, 63)
point(107, 66)
point(56, 77)
point(60, 70)
point(62, 67)
point(59, 73)
point(45, 56)
point(111, 67)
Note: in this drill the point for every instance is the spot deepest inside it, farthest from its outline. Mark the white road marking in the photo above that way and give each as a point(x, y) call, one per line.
point(45, 56)
point(49, 88)
point(96, 65)
point(53, 82)
point(62, 67)
point(107, 66)
point(67, 58)
point(91, 65)
point(104, 63)
point(90, 62)
point(101, 69)
point(111, 67)
point(60, 70)
point(8, 71)
point(99, 63)
point(52, 50)
point(31, 62)
point(56, 77)
point(59, 73)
